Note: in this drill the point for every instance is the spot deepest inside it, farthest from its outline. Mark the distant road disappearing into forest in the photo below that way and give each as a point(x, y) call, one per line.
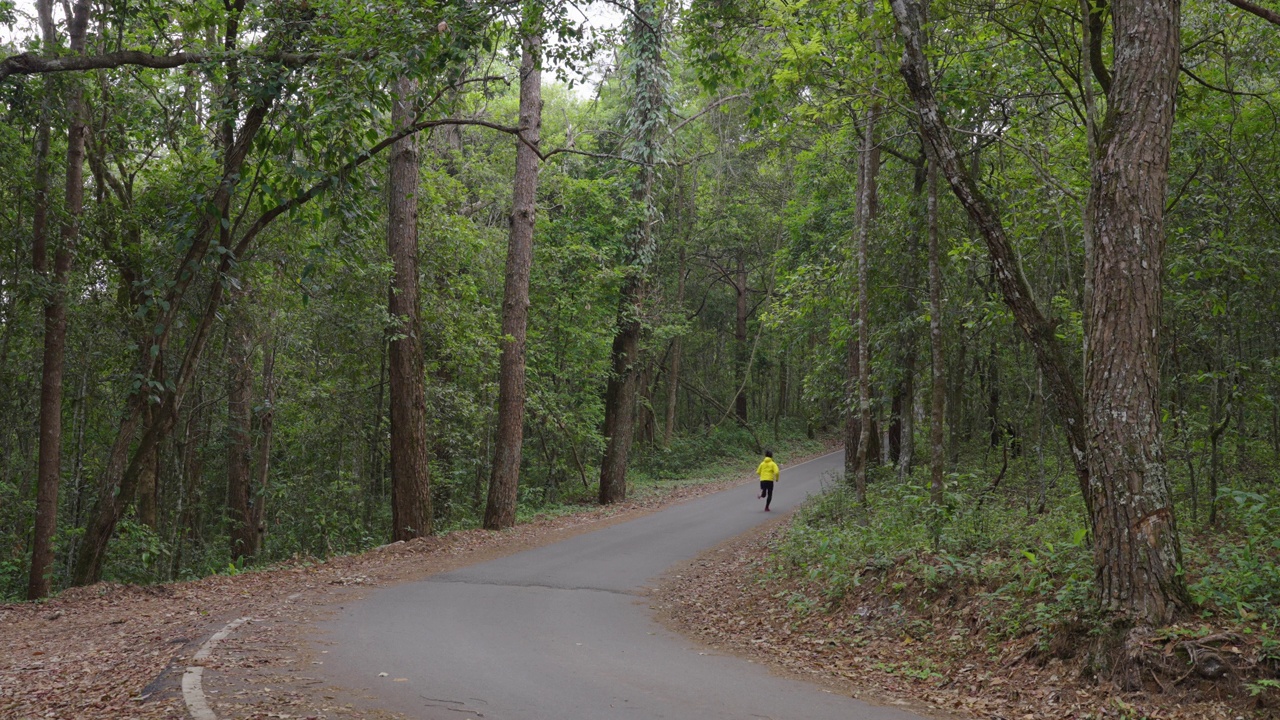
point(564, 632)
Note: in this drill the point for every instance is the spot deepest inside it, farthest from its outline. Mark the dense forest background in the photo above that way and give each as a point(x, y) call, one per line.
point(744, 236)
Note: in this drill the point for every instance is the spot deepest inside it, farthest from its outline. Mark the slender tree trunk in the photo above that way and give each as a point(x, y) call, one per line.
point(49, 464)
point(673, 377)
point(870, 153)
point(501, 509)
point(741, 350)
point(77, 469)
point(377, 468)
point(410, 469)
point(938, 391)
point(146, 499)
point(852, 413)
point(1137, 551)
point(648, 384)
point(906, 412)
point(904, 430)
point(266, 430)
point(49, 460)
point(991, 375)
point(1219, 419)
point(240, 433)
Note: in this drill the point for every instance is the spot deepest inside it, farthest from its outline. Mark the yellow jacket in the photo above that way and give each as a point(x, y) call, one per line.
point(768, 470)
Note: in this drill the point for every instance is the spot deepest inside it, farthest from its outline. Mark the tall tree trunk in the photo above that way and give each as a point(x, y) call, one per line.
point(49, 464)
point(501, 509)
point(266, 430)
point(410, 470)
point(240, 433)
point(991, 377)
point(938, 391)
point(146, 499)
point(741, 351)
point(376, 472)
point(852, 413)
point(647, 74)
point(870, 161)
point(620, 397)
point(673, 377)
point(1219, 419)
point(905, 403)
point(1137, 552)
point(904, 428)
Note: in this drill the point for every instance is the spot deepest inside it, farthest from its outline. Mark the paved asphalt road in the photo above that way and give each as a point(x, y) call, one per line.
point(562, 632)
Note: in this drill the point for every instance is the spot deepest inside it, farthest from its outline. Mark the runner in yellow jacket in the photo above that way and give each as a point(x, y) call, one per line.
point(768, 472)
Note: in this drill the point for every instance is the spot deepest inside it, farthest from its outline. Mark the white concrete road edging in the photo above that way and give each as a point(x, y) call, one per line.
point(193, 678)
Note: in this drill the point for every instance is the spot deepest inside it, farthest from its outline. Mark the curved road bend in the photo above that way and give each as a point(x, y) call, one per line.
point(563, 632)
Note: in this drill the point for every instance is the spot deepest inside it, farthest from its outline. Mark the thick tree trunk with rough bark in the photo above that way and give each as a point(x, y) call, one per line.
point(410, 468)
point(620, 397)
point(500, 512)
point(1137, 552)
point(49, 463)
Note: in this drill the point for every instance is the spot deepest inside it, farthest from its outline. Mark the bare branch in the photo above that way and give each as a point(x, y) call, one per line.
point(715, 104)
point(31, 64)
point(1270, 16)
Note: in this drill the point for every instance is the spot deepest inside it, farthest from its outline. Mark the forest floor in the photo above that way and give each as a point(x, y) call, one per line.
point(119, 651)
point(903, 647)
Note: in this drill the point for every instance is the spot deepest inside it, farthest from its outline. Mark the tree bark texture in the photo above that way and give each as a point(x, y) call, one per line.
point(905, 398)
point(239, 434)
point(49, 462)
point(620, 397)
point(266, 428)
point(673, 377)
point(938, 390)
point(1039, 330)
point(1137, 553)
point(741, 350)
point(870, 162)
point(410, 479)
point(500, 512)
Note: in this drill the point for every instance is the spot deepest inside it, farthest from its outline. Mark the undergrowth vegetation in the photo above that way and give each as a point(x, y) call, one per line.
point(1014, 562)
point(334, 519)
